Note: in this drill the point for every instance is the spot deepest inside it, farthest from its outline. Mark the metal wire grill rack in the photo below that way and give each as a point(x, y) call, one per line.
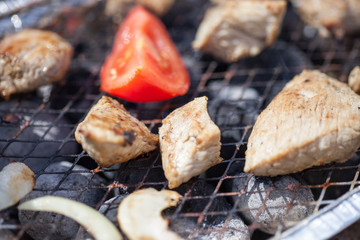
point(40, 133)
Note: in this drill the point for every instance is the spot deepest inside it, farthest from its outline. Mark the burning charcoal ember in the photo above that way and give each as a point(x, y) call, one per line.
point(110, 135)
point(109, 209)
point(354, 79)
point(189, 142)
point(271, 202)
point(38, 139)
point(187, 227)
point(60, 179)
point(236, 29)
point(32, 58)
point(331, 16)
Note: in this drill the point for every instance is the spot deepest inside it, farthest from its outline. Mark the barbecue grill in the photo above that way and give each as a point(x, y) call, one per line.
point(38, 128)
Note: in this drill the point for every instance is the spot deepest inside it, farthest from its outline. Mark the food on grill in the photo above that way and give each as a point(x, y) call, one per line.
point(32, 58)
point(331, 16)
point(354, 79)
point(274, 203)
point(62, 179)
point(312, 121)
point(119, 8)
point(108, 209)
point(139, 214)
point(39, 139)
point(213, 226)
point(96, 223)
point(236, 29)
point(16, 181)
point(144, 65)
point(110, 135)
point(189, 142)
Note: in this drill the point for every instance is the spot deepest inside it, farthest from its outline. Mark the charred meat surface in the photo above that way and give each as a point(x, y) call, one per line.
point(189, 142)
point(110, 135)
point(32, 58)
point(313, 121)
point(331, 16)
point(236, 29)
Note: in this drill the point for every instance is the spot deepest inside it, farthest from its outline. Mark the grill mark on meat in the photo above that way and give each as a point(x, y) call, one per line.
point(129, 136)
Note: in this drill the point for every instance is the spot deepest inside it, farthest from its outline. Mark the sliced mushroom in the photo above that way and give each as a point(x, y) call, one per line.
point(95, 223)
point(139, 214)
point(16, 181)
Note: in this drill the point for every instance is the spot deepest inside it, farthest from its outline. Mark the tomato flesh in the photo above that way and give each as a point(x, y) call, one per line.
point(144, 65)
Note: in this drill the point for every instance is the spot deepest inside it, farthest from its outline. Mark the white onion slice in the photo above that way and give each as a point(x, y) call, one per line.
point(94, 222)
point(139, 214)
point(16, 181)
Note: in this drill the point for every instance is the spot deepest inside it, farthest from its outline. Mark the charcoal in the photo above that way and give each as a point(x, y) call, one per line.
point(212, 226)
point(38, 139)
point(275, 210)
point(109, 209)
point(234, 229)
point(80, 185)
point(232, 106)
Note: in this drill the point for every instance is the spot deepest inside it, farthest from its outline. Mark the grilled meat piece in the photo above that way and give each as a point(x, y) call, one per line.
point(354, 79)
point(118, 9)
point(189, 142)
point(330, 16)
point(110, 135)
point(235, 29)
point(30, 59)
point(313, 121)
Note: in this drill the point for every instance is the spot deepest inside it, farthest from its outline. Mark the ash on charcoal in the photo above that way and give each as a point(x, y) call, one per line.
point(80, 185)
point(35, 138)
point(109, 209)
point(213, 227)
point(270, 202)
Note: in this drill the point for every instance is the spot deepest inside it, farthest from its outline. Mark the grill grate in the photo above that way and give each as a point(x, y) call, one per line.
point(40, 133)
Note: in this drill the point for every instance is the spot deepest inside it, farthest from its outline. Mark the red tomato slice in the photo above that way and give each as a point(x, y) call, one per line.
point(144, 65)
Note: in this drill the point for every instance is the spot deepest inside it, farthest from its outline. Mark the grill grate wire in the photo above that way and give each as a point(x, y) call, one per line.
point(45, 130)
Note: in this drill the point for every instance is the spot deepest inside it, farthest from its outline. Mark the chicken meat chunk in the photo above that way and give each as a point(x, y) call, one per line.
point(330, 16)
point(110, 135)
point(118, 9)
point(236, 29)
point(32, 58)
point(313, 121)
point(189, 142)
